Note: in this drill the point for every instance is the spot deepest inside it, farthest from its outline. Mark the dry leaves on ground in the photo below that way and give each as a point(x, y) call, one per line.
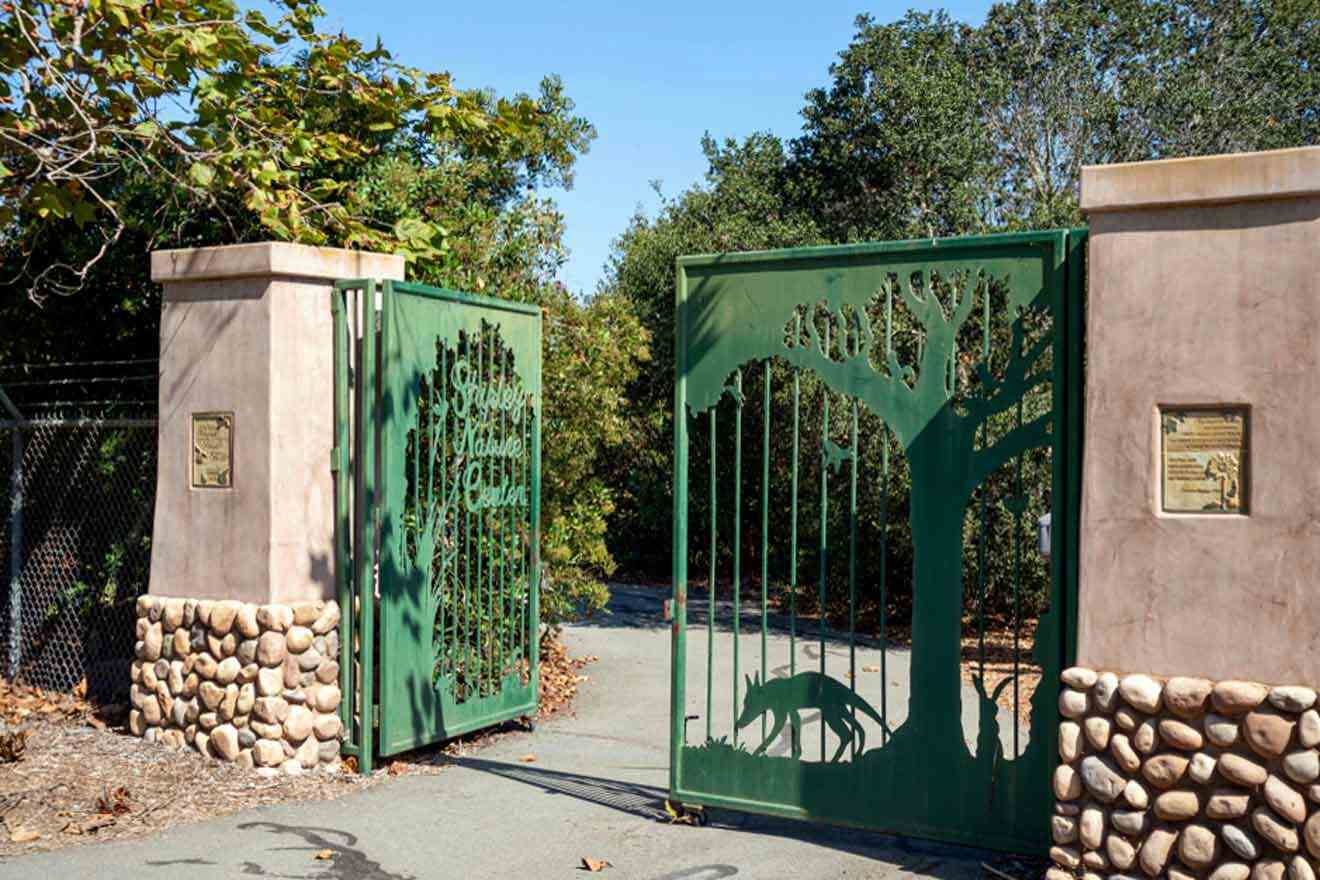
point(594, 865)
point(560, 677)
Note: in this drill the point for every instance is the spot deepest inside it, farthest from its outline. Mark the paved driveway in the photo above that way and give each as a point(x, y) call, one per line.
point(595, 790)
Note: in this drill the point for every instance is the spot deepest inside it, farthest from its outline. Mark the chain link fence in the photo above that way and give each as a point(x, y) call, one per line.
point(75, 543)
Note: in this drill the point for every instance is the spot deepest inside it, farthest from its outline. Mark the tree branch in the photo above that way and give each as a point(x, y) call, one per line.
point(1027, 436)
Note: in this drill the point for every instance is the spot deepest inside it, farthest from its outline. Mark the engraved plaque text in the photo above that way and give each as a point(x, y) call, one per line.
point(1203, 460)
point(212, 450)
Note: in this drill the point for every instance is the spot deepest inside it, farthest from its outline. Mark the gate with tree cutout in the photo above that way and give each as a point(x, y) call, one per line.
point(438, 502)
point(864, 432)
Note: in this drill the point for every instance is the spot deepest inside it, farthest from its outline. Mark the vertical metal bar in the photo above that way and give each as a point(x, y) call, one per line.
point(440, 458)
point(824, 526)
point(737, 541)
point(678, 640)
point(984, 514)
point(710, 589)
point(1017, 587)
point(765, 525)
point(467, 544)
point(524, 601)
point(16, 552)
point(535, 623)
point(506, 535)
point(884, 536)
point(793, 506)
point(852, 571)
point(368, 421)
point(480, 517)
point(343, 525)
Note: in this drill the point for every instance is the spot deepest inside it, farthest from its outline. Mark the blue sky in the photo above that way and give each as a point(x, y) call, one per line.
point(652, 78)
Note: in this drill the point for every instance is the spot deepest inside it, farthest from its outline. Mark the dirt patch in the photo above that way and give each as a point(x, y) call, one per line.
point(81, 778)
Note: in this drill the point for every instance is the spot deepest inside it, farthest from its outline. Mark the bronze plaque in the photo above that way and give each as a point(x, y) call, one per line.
point(213, 450)
point(1203, 461)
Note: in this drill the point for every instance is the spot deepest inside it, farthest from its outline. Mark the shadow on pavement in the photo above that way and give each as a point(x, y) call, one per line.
point(926, 858)
point(345, 862)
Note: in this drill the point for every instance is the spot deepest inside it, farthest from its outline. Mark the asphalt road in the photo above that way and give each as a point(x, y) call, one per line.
point(595, 790)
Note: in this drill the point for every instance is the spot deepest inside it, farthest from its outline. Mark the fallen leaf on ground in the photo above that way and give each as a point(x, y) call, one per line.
point(870, 669)
point(115, 801)
point(324, 855)
point(23, 835)
point(397, 767)
point(90, 826)
point(528, 759)
point(594, 865)
point(350, 764)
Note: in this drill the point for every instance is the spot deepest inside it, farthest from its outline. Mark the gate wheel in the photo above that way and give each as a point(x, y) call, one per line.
point(681, 814)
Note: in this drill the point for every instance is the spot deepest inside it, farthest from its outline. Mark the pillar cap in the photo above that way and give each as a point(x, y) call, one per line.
point(1234, 177)
point(269, 258)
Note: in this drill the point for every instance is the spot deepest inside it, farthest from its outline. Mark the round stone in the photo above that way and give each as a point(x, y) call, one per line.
point(208, 720)
point(270, 682)
point(1145, 737)
point(247, 651)
point(179, 713)
point(1070, 741)
point(211, 694)
point(1285, 800)
point(1091, 827)
point(248, 674)
point(223, 615)
point(1124, 754)
point(1268, 733)
point(1271, 869)
point(151, 642)
point(191, 683)
point(266, 730)
point(306, 754)
point(229, 705)
point(227, 670)
point(308, 660)
point(272, 710)
point(1300, 869)
point(1243, 771)
point(271, 649)
point(295, 697)
point(1221, 731)
point(203, 743)
point(1308, 728)
point(1141, 692)
point(298, 726)
point(151, 711)
point(1311, 833)
point(214, 645)
point(1065, 856)
point(1097, 731)
point(1175, 806)
point(1121, 853)
point(268, 753)
point(1227, 803)
point(328, 751)
point(204, 665)
point(328, 619)
point(276, 618)
point(224, 739)
point(306, 612)
point(291, 671)
point(1103, 781)
point(1186, 697)
point(1230, 871)
point(1063, 829)
point(180, 643)
point(245, 622)
point(1197, 846)
point(203, 615)
point(1164, 771)
point(327, 726)
point(1154, 855)
point(1237, 697)
point(325, 698)
point(1136, 795)
point(328, 673)
point(1180, 735)
point(1094, 860)
point(1105, 692)
point(1067, 782)
point(1277, 831)
point(291, 767)
point(1065, 809)
point(1292, 698)
point(299, 639)
point(247, 696)
point(1240, 842)
point(1129, 822)
point(175, 677)
point(1201, 769)
point(1126, 718)
point(1078, 677)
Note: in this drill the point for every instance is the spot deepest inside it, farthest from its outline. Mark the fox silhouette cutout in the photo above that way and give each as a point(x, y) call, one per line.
point(786, 697)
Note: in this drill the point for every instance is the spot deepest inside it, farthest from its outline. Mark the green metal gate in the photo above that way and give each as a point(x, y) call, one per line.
point(438, 399)
point(814, 387)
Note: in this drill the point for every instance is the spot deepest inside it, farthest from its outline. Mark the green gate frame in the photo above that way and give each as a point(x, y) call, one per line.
point(394, 698)
point(730, 313)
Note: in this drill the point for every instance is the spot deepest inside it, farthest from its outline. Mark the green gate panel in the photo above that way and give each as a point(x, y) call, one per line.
point(443, 599)
point(967, 353)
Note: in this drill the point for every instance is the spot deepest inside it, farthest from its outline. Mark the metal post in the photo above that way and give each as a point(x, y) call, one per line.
point(15, 539)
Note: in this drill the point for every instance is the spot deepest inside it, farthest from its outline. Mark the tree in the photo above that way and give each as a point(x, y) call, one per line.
point(195, 98)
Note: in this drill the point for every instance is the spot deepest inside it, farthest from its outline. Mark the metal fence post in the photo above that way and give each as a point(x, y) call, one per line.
point(15, 540)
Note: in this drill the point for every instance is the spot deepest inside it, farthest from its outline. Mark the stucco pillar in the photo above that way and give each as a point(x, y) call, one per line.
point(1204, 291)
point(247, 336)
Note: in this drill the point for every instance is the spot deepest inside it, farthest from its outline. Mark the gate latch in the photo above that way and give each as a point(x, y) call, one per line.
point(1043, 535)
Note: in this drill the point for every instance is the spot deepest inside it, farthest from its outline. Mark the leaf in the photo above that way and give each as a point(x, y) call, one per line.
point(324, 855)
point(528, 759)
point(24, 835)
point(201, 174)
point(594, 865)
point(870, 669)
